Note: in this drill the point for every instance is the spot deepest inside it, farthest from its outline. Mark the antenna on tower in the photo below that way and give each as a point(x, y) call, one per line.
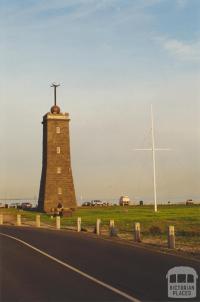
point(153, 149)
point(54, 85)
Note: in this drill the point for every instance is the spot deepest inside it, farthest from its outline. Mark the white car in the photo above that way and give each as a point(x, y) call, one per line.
point(98, 203)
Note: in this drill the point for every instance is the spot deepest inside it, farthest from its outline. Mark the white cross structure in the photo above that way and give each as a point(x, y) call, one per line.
point(153, 149)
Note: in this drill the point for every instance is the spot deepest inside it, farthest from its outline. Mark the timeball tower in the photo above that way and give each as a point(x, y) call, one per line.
point(56, 185)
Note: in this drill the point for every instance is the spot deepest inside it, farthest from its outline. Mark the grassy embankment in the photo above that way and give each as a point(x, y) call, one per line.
point(186, 220)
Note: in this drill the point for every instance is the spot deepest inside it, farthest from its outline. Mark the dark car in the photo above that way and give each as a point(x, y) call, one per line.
point(26, 205)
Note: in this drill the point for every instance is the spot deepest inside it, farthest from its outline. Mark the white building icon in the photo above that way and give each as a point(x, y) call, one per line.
point(182, 282)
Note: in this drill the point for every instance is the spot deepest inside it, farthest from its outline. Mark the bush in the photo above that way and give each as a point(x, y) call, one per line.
point(155, 230)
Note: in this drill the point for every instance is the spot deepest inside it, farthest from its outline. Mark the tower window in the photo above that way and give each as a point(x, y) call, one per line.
point(57, 129)
point(58, 150)
point(58, 170)
point(59, 191)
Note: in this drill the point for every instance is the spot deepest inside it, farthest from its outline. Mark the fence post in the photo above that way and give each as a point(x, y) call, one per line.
point(113, 231)
point(112, 223)
point(98, 225)
point(58, 222)
point(78, 224)
point(18, 219)
point(37, 221)
point(171, 237)
point(1, 219)
point(137, 232)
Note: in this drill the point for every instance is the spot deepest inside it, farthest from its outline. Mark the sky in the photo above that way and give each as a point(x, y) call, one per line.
point(113, 58)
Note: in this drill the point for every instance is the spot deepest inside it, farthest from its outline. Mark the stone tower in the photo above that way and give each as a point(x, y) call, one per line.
point(56, 185)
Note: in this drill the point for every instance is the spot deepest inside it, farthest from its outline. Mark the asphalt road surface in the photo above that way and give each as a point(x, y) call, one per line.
point(67, 266)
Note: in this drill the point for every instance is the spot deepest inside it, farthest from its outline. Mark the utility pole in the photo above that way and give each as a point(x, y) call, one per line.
point(153, 149)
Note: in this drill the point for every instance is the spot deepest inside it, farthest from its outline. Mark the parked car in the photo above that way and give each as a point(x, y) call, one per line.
point(100, 203)
point(86, 204)
point(189, 202)
point(26, 205)
point(124, 201)
point(14, 205)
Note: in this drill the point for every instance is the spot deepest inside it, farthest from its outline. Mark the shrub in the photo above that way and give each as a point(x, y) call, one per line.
point(155, 230)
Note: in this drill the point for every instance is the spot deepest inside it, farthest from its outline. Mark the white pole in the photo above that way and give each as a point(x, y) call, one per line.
point(37, 221)
point(79, 224)
point(18, 219)
point(153, 150)
point(137, 232)
point(58, 222)
point(98, 223)
point(154, 160)
point(1, 219)
point(112, 223)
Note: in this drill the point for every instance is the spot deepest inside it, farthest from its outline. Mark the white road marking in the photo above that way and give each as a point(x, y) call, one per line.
point(113, 289)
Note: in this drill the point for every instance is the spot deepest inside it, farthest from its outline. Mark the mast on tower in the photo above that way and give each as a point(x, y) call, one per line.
point(55, 109)
point(55, 86)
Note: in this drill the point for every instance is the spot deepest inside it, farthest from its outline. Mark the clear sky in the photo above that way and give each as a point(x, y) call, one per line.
point(113, 58)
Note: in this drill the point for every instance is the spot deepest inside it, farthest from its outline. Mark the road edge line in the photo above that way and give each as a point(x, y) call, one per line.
point(74, 269)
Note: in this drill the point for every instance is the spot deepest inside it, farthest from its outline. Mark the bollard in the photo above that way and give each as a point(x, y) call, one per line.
point(98, 226)
point(137, 232)
point(58, 222)
point(112, 223)
point(37, 221)
point(1, 219)
point(79, 224)
point(113, 230)
point(171, 237)
point(18, 219)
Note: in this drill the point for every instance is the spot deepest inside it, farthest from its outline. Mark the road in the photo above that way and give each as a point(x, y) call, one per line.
point(27, 275)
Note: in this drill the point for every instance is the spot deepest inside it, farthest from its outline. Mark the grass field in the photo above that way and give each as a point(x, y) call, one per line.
point(186, 220)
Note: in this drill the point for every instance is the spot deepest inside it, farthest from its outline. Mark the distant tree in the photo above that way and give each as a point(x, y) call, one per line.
point(141, 202)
